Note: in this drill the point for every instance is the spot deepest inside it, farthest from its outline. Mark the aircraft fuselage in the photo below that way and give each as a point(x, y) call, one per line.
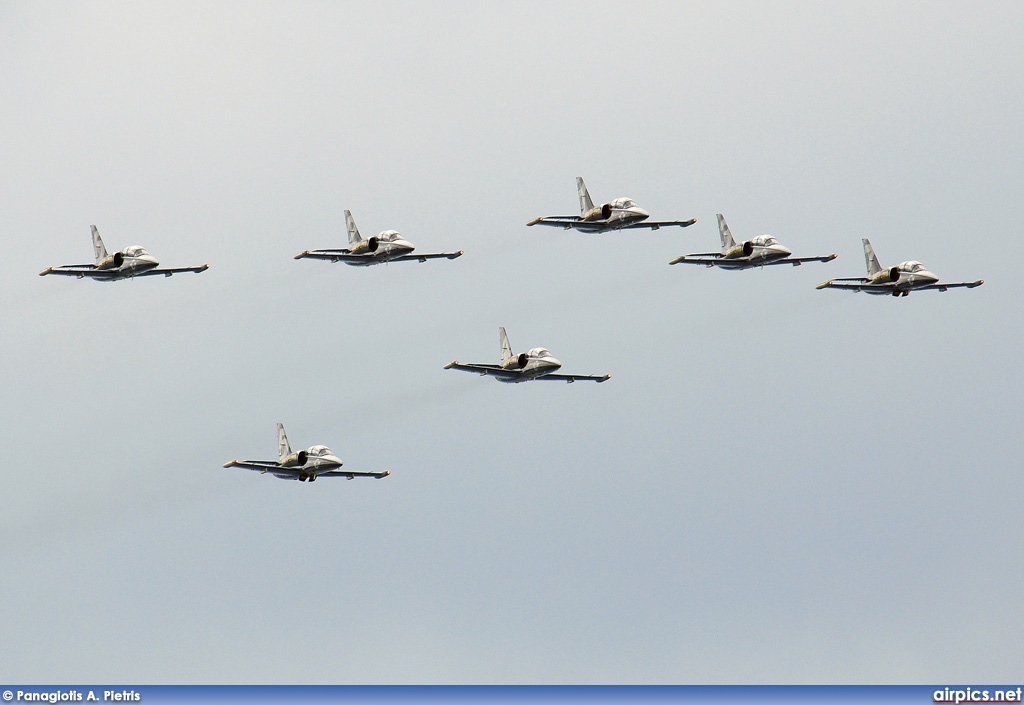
point(755, 253)
point(538, 362)
point(384, 250)
point(911, 275)
point(127, 263)
point(612, 216)
point(318, 459)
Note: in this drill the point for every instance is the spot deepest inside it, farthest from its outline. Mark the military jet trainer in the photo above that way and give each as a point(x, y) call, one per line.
point(537, 363)
point(309, 464)
point(128, 263)
point(762, 251)
point(385, 246)
point(897, 281)
point(620, 214)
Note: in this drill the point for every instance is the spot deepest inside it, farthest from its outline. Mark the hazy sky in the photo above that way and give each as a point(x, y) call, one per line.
point(778, 484)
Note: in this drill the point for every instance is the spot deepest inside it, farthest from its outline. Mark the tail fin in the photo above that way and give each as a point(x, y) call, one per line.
point(97, 245)
point(725, 233)
point(283, 449)
point(354, 238)
point(869, 258)
point(506, 349)
point(586, 204)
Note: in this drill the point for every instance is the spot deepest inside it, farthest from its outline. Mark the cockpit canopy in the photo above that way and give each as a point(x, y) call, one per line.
point(766, 241)
point(318, 451)
point(912, 266)
point(134, 251)
point(623, 203)
point(540, 352)
point(389, 235)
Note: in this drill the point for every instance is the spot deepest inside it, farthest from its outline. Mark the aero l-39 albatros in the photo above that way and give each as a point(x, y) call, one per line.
point(128, 263)
point(761, 251)
point(309, 464)
point(620, 214)
point(385, 246)
point(537, 363)
point(898, 281)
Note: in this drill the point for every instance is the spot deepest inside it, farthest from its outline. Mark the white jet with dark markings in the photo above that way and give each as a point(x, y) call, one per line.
point(896, 281)
point(762, 251)
point(306, 465)
point(385, 246)
point(536, 363)
point(620, 214)
point(129, 263)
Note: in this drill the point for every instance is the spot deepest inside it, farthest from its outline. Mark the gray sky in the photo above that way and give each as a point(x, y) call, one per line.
point(778, 484)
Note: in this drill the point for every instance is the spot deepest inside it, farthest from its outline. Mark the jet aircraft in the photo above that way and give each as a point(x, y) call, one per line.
point(897, 281)
point(128, 263)
point(385, 246)
point(309, 464)
point(620, 214)
point(763, 250)
point(537, 363)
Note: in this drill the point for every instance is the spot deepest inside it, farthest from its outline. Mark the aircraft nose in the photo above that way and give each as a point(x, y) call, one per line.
point(330, 461)
point(149, 259)
point(927, 276)
point(783, 250)
point(640, 211)
point(553, 363)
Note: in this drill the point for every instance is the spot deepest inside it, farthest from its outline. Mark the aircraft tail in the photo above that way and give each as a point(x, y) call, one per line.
point(869, 258)
point(97, 245)
point(506, 349)
point(725, 233)
point(283, 449)
point(586, 203)
point(354, 238)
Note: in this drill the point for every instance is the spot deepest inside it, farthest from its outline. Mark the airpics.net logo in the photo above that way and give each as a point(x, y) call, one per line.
point(977, 695)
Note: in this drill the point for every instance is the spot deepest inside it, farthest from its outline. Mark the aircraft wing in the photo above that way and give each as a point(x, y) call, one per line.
point(351, 474)
point(705, 258)
point(332, 255)
point(425, 257)
point(656, 224)
point(87, 270)
point(160, 271)
point(573, 378)
point(797, 261)
point(942, 286)
point(80, 270)
point(559, 221)
point(854, 284)
point(257, 465)
point(266, 466)
point(492, 370)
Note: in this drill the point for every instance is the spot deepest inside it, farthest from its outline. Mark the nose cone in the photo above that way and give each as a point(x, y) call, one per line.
point(926, 277)
point(782, 250)
point(147, 261)
point(329, 462)
point(639, 212)
point(551, 364)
